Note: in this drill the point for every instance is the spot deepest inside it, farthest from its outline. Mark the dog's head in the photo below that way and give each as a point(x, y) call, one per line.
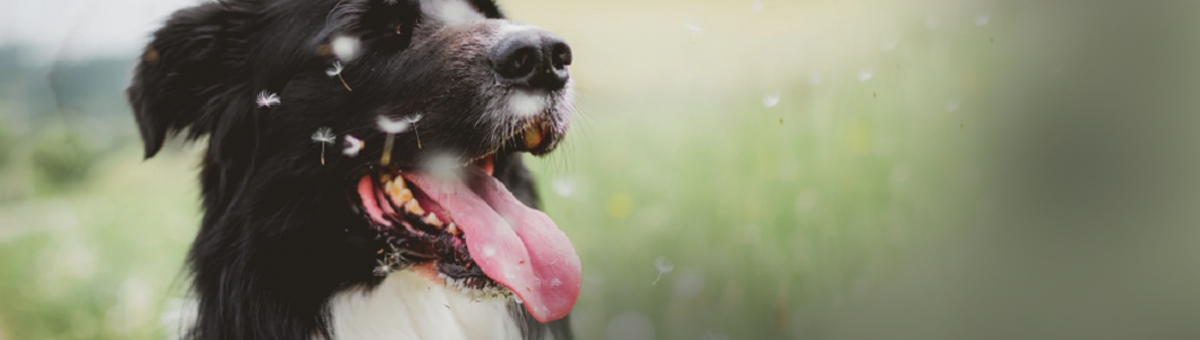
point(350, 138)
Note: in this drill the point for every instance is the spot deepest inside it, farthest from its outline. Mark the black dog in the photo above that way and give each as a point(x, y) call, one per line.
point(363, 176)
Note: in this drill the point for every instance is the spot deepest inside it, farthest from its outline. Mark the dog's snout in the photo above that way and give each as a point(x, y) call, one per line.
point(533, 58)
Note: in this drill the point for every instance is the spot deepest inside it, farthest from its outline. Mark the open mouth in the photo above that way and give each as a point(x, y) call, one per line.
point(472, 232)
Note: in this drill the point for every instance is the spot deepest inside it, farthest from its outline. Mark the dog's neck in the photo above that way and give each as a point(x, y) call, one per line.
point(409, 306)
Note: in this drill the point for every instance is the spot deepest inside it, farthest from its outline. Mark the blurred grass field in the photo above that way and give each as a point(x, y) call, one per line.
point(786, 161)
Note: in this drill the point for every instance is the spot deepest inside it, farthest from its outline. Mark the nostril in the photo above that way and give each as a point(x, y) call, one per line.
point(561, 55)
point(517, 63)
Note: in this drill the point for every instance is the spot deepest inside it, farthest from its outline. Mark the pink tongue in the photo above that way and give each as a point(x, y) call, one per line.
point(516, 246)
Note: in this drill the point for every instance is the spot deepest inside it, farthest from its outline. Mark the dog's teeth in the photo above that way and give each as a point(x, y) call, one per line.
point(433, 220)
point(452, 229)
point(533, 136)
point(397, 183)
point(399, 195)
point(412, 207)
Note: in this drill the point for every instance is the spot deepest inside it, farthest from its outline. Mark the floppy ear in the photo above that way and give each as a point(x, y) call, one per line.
point(185, 72)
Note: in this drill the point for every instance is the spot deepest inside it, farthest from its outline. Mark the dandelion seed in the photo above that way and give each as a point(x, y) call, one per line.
point(447, 167)
point(387, 125)
point(353, 146)
point(267, 99)
point(336, 70)
point(756, 6)
point(324, 136)
point(888, 45)
point(664, 266)
point(865, 74)
point(412, 120)
point(692, 27)
point(982, 18)
point(392, 128)
point(382, 268)
point(563, 187)
point(815, 78)
point(771, 100)
point(345, 48)
point(951, 105)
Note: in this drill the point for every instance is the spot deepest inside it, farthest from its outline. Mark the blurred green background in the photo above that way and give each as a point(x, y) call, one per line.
point(809, 169)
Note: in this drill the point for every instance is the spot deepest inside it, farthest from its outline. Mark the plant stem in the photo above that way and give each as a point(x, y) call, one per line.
point(387, 150)
point(344, 83)
point(418, 135)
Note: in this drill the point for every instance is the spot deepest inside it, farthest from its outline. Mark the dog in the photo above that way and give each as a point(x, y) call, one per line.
point(363, 175)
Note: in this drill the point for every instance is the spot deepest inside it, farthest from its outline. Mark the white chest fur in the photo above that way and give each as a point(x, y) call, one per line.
point(406, 306)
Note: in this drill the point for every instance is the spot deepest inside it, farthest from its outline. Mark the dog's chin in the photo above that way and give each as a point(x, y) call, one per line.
point(459, 225)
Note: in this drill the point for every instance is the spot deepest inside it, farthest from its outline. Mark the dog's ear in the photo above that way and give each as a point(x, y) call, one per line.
point(187, 70)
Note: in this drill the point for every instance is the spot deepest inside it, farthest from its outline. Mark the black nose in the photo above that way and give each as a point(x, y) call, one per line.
point(533, 58)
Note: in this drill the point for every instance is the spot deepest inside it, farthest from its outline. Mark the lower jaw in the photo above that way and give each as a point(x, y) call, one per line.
point(465, 276)
point(475, 287)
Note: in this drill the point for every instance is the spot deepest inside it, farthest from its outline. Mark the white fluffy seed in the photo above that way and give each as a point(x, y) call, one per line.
point(345, 48)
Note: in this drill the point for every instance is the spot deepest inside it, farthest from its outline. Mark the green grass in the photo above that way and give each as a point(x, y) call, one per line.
point(98, 262)
point(764, 221)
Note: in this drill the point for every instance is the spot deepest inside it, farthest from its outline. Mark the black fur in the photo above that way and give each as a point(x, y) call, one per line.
point(278, 238)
